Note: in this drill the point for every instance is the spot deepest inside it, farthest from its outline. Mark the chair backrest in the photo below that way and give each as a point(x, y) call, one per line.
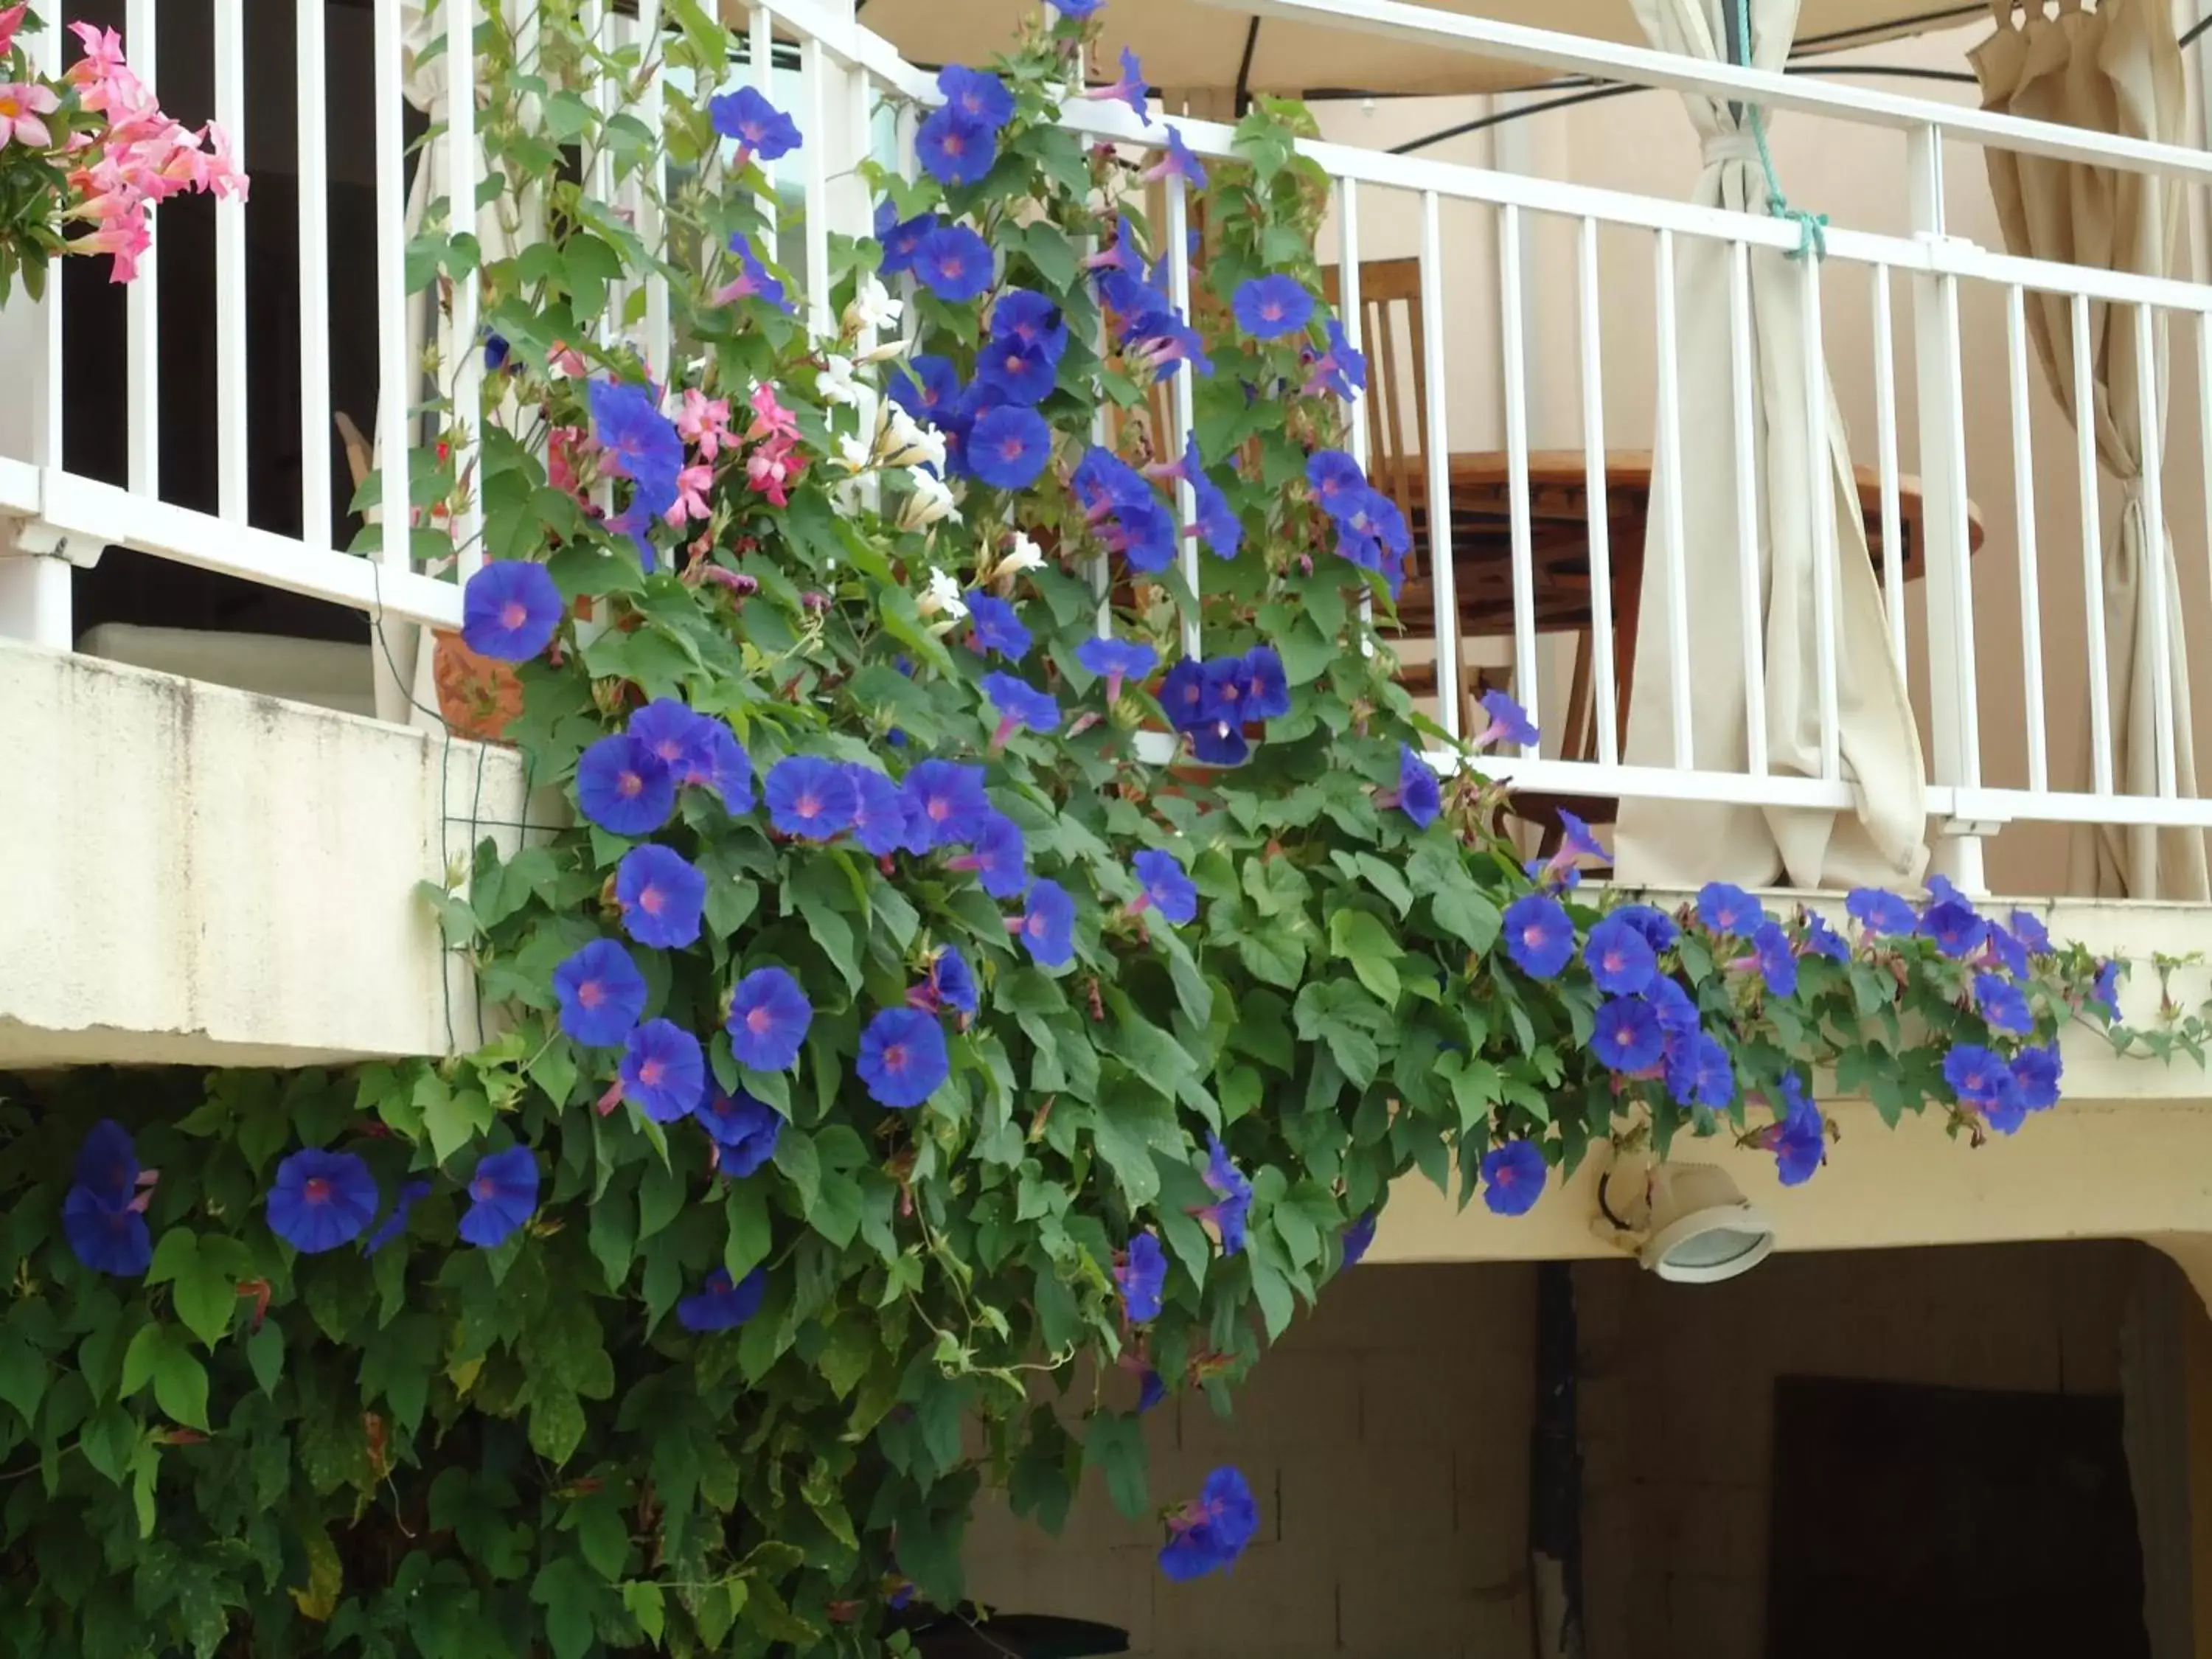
point(1397, 426)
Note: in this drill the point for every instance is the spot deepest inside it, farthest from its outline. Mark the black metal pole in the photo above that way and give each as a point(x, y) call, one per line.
point(1555, 1473)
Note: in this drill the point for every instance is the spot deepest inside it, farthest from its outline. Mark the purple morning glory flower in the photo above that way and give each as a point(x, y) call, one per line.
point(1024, 373)
point(1218, 743)
point(496, 347)
point(900, 238)
point(1232, 1195)
point(1620, 958)
point(503, 1195)
point(1117, 660)
point(954, 148)
point(1034, 319)
point(1009, 445)
point(1713, 1079)
point(754, 280)
point(977, 94)
point(1977, 1075)
point(1217, 524)
point(954, 263)
point(1225, 687)
point(927, 388)
point(1513, 1177)
point(1678, 1014)
point(1046, 926)
point(878, 810)
point(1183, 694)
point(1509, 723)
point(640, 441)
point(108, 1239)
point(744, 1130)
point(1357, 1237)
point(107, 1163)
point(624, 787)
point(601, 993)
point(2106, 991)
point(951, 800)
point(410, 1194)
point(719, 1305)
point(1879, 914)
point(1628, 1037)
point(2008, 952)
point(1539, 935)
point(1822, 941)
point(1417, 795)
point(677, 735)
point(1338, 483)
point(768, 1019)
point(1178, 163)
point(1208, 1533)
point(1019, 704)
point(1726, 908)
point(509, 609)
point(1799, 1137)
point(1268, 307)
point(1775, 961)
point(1957, 930)
point(758, 126)
point(1129, 89)
point(901, 1058)
point(998, 857)
point(662, 894)
point(950, 984)
point(1076, 9)
point(663, 1070)
point(1165, 888)
point(2002, 1004)
point(321, 1200)
point(1140, 1278)
point(728, 770)
point(2027, 927)
point(1267, 687)
point(2037, 1071)
point(1151, 1390)
point(1657, 927)
point(810, 798)
point(1341, 371)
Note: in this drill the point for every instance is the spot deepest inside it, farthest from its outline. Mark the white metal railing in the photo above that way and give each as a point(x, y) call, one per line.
point(846, 72)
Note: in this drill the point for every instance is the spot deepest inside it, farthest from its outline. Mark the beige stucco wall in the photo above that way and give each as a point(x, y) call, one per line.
point(196, 875)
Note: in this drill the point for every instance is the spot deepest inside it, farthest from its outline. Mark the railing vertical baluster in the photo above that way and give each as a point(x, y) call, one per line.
point(1347, 305)
point(2151, 416)
point(2031, 599)
point(1892, 503)
point(1178, 255)
point(2092, 550)
point(760, 45)
point(814, 66)
point(1606, 690)
point(1513, 346)
point(314, 281)
point(231, 436)
point(1750, 589)
point(141, 305)
point(35, 590)
point(1102, 426)
point(2204, 415)
point(652, 222)
point(1669, 487)
point(395, 375)
point(1821, 487)
point(868, 406)
point(1438, 458)
point(467, 367)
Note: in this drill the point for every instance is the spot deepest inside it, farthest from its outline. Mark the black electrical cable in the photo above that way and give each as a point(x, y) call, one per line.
point(2190, 35)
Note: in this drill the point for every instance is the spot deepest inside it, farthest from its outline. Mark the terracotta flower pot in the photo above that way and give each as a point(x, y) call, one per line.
point(478, 695)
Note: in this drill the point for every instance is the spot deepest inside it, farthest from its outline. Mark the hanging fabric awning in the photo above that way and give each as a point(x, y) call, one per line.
point(1192, 47)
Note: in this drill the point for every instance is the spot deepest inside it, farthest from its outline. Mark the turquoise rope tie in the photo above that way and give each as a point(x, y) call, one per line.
point(1812, 228)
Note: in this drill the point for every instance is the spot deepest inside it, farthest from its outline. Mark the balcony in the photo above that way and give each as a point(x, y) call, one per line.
point(1564, 348)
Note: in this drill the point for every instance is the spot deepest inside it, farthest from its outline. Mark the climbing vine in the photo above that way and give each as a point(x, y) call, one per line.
point(950, 1015)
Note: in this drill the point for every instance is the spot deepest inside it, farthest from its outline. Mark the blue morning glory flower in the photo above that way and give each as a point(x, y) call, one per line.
point(624, 787)
point(900, 238)
point(2027, 927)
point(107, 1163)
point(663, 1070)
point(321, 1200)
point(1417, 795)
point(1207, 1534)
point(954, 148)
point(496, 347)
point(927, 388)
point(410, 1194)
point(1357, 1237)
point(1657, 927)
point(1985, 1083)
point(662, 894)
point(1822, 941)
point(1725, 908)
point(758, 126)
point(503, 1195)
point(1267, 687)
point(509, 609)
point(901, 1058)
point(1047, 926)
point(1140, 1277)
point(2037, 1071)
point(1183, 694)
point(1880, 914)
point(2106, 991)
point(1678, 1014)
point(2002, 1004)
point(1338, 483)
point(977, 94)
point(951, 799)
point(1076, 9)
point(880, 822)
point(995, 625)
point(810, 798)
point(1178, 163)
point(1957, 930)
point(768, 1019)
point(754, 281)
point(1539, 935)
point(1509, 723)
point(1799, 1137)
point(1219, 743)
point(1268, 307)
point(1151, 1390)
point(1165, 888)
point(1130, 88)
point(108, 1239)
point(677, 734)
point(1628, 1038)
point(745, 1131)
point(1232, 1195)
point(1513, 1177)
point(1777, 961)
point(719, 1305)
point(952, 982)
point(1019, 704)
point(1620, 958)
point(1033, 319)
point(2008, 952)
point(640, 441)
point(1217, 526)
point(1225, 687)
point(1021, 371)
point(601, 993)
point(1713, 1080)
point(954, 263)
point(1008, 446)
point(998, 856)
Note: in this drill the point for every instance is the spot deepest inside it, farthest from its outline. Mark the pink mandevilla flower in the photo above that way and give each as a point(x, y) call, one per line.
point(773, 467)
point(770, 418)
point(703, 423)
point(692, 484)
point(20, 106)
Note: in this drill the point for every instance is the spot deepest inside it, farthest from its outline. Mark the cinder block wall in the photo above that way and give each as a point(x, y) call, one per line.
point(1387, 1439)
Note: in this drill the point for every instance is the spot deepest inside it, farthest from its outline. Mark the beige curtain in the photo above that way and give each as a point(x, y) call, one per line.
point(1682, 844)
point(2116, 70)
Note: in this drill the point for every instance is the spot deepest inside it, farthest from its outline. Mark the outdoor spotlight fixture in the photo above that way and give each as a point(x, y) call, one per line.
point(1686, 1222)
